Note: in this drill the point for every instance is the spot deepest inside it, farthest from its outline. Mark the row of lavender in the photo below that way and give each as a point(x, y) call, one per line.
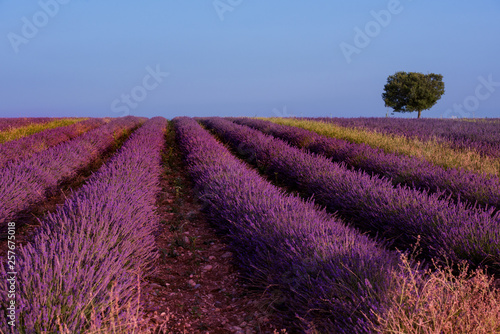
point(12, 123)
point(101, 237)
point(457, 183)
point(320, 271)
point(447, 231)
point(480, 135)
point(26, 146)
point(29, 181)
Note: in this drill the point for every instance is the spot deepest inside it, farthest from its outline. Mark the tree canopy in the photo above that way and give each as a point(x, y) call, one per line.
point(411, 91)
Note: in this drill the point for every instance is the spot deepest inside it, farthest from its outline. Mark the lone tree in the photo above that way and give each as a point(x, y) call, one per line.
point(411, 91)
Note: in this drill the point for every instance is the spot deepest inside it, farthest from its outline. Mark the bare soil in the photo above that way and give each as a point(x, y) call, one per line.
point(196, 288)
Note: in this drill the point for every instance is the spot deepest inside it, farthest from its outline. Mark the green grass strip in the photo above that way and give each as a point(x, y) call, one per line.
point(430, 150)
point(13, 134)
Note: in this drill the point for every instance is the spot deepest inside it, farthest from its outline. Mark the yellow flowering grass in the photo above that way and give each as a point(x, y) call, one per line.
point(16, 133)
point(435, 152)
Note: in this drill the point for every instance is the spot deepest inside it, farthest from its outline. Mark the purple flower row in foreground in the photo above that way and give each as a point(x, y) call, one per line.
point(448, 231)
point(416, 173)
point(101, 237)
point(26, 146)
point(480, 135)
point(12, 123)
point(320, 271)
point(29, 181)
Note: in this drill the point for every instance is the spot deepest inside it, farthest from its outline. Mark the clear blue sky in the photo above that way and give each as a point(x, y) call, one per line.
point(242, 57)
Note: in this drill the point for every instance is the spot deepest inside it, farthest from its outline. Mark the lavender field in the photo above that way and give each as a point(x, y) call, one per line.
point(334, 225)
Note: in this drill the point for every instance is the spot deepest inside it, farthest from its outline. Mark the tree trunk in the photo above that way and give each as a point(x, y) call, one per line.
point(419, 113)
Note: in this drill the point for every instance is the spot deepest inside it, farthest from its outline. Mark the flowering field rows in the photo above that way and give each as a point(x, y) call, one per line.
point(438, 152)
point(25, 182)
point(400, 169)
point(447, 230)
point(322, 226)
point(481, 135)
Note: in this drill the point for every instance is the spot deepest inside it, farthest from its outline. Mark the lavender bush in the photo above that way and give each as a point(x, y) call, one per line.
point(100, 239)
point(324, 275)
point(416, 173)
point(448, 231)
point(26, 146)
point(28, 181)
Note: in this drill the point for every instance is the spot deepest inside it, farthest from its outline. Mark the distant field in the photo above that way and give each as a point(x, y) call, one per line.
point(14, 129)
point(11, 123)
point(447, 150)
point(338, 225)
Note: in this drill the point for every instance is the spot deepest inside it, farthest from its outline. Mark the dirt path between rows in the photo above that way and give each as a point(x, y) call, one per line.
point(197, 288)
